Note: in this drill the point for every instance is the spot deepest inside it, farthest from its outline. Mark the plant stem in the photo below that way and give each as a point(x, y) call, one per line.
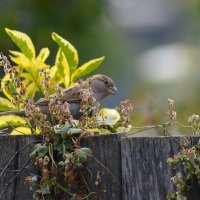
point(64, 189)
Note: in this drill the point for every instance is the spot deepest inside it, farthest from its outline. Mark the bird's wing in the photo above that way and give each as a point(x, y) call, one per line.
point(42, 102)
point(70, 95)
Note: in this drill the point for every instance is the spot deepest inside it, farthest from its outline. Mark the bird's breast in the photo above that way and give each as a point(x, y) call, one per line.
point(75, 110)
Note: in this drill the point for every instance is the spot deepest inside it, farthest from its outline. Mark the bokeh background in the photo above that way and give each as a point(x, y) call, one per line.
point(152, 47)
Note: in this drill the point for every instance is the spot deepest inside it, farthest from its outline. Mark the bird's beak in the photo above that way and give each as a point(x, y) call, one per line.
point(112, 90)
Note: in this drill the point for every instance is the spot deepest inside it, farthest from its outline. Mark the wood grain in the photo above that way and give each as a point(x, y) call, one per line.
point(107, 162)
point(131, 168)
point(145, 172)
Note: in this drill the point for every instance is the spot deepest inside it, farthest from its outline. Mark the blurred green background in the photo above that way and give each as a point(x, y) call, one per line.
point(152, 47)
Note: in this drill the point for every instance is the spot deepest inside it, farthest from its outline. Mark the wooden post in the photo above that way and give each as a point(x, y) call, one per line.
point(145, 172)
point(132, 168)
point(14, 162)
point(107, 163)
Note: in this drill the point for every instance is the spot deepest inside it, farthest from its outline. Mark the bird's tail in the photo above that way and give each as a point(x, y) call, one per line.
point(20, 113)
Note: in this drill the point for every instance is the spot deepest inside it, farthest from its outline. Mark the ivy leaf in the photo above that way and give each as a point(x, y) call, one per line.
point(33, 184)
point(13, 120)
point(46, 186)
point(43, 55)
point(69, 51)
point(23, 41)
point(39, 150)
point(75, 131)
point(83, 153)
point(87, 68)
point(6, 105)
point(64, 131)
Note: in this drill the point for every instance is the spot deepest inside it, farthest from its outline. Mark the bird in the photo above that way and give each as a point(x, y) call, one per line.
point(101, 86)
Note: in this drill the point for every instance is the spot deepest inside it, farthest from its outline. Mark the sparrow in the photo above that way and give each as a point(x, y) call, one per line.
point(101, 87)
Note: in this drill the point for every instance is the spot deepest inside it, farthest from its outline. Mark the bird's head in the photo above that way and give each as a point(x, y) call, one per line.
point(102, 86)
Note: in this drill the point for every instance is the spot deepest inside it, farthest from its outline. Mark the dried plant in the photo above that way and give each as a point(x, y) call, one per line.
point(89, 105)
point(187, 180)
point(124, 109)
point(172, 114)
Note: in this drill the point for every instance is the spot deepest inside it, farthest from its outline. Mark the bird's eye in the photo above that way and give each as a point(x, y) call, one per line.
point(106, 82)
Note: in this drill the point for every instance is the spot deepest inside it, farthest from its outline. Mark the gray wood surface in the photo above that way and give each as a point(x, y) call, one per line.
point(131, 168)
point(107, 150)
point(14, 162)
point(145, 172)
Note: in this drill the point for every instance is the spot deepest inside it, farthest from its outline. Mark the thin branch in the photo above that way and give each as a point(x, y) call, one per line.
point(108, 171)
point(15, 154)
point(64, 189)
point(15, 176)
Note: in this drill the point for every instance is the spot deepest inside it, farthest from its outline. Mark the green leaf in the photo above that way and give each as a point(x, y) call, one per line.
point(43, 55)
point(23, 41)
point(46, 186)
point(75, 131)
point(33, 184)
point(87, 68)
point(82, 154)
point(108, 116)
point(64, 131)
point(5, 105)
point(13, 120)
point(39, 150)
point(86, 150)
point(69, 51)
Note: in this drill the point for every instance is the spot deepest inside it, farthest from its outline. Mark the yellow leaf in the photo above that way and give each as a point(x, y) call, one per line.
point(20, 59)
point(43, 55)
point(69, 51)
point(27, 78)
point(13, 120)
point(5, 105)
point(23, 41)
point(31, 89)
point(87, 68)
point(62, 68)
point(23, 131)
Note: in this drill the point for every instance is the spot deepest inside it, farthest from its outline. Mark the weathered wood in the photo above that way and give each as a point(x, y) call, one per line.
point(24, 162)
point(107, 153)
point(8, 148)
point(14, 164)
point(145, 172)
point(138, 164)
